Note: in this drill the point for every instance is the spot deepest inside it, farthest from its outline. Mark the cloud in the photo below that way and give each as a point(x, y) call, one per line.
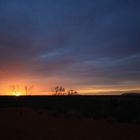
point(88, 42)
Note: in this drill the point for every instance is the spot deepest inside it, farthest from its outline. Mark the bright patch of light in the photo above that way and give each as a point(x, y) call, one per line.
point(18, 94)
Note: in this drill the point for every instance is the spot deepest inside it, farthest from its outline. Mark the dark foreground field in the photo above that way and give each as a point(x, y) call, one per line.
point(70, 118)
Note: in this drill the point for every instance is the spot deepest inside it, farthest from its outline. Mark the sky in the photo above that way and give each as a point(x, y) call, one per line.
point(91, 46)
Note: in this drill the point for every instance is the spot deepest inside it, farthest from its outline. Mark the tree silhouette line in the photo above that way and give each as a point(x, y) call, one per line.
point(61, 91)
point(58, 90)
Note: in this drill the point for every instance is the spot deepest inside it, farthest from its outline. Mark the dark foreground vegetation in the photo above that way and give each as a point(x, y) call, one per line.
point(124, 109)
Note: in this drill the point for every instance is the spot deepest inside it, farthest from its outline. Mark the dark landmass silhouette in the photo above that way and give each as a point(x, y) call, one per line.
point(131, 94)
point(70, 117)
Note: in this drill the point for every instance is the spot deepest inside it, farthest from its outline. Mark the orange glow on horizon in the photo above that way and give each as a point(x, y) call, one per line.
point(17, 87)
point(17, 93)
point(107, 90)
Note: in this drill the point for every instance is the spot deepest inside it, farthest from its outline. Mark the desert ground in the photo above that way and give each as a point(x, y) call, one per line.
point(39, 124)
point(69, 118)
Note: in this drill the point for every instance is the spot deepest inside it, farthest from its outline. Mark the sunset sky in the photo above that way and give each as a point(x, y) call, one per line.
point(92, 46)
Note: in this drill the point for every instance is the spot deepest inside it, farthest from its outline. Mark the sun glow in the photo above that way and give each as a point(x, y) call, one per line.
point(18, 94)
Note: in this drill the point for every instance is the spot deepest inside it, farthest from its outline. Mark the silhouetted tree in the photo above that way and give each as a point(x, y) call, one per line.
point(72, 92)
point(58, 90)
point(15, 88)
point(28, 89)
